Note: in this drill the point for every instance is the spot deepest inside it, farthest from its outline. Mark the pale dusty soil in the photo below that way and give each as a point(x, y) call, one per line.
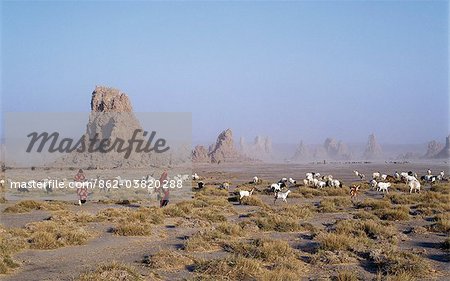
point(67, 263)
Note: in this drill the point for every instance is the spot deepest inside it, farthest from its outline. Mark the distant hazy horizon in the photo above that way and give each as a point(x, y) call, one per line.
point(288, 70)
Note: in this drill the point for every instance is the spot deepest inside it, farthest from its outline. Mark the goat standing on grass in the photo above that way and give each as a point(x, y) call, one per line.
point(282, 196)
point(245, 193)
point(255, 180)
point(276, 187)
point(414, 185)
point(383, 186)
point(373, 184)
point(358, 174)
point(354, 191)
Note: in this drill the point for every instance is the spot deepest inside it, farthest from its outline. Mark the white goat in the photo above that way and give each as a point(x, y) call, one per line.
point(373, 184)
point(281, 195)
point(414, 185)
point(195, 177)
point(335, 183)
point(383, 186)
point(376, 175)
point(276, 187)
point(255, 180)
point(292, 181)
point(383, 177)
point(245, 193)
point(224, 185)
point(321, 184)
point(358, 174)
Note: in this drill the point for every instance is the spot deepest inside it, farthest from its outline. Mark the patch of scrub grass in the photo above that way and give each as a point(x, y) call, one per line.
point(394, 214)
point(372, 229)
point(269, 251)
point(346, 275)
point(51, 235)
point(329, 241)
point(12, 240)
point(442, 223)
point(149, 215)
point(253, 201)
point(230, 229)
point(112, 272)
point(296, 211)
point(204, 241)
point(392, 262)
point(331, 205)
point(212, 191)
point(276, 222)
point(375, 204)
point(229, 268)
point(30, 205)
point(169, 260)
point(336, 191)
point(126, 228)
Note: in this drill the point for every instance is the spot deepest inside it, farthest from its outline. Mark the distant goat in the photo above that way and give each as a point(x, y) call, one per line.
point(354, 191)
point(282, 196)
point(245, 193)
point(383, 186)
point(414, 185)
point(358, 174)
point(276, 187)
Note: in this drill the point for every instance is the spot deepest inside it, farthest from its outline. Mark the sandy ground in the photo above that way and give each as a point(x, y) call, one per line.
point(68, 262)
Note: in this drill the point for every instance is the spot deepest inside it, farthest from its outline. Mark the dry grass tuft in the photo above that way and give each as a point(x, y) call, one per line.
point(213, 191)
point(276, 222)
point(12, 240)
point(205, 240)
point(371, 229)
point(442, 223)
point(112, 272)
point(30, 205)
point(394, 214)
point(169, 260)
point(126, 228)
point(253, 201)
point(375, 204)
point(394, 262)
point(335, 242)
point(331, 205)
point(346, 275)
point(229, 268)
point(51, 235)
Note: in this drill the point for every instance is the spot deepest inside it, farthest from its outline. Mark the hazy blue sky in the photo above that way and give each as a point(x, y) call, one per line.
point(290, 70)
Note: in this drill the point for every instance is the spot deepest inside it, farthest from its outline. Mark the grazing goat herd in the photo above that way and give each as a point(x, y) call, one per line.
point(379, 182)
point(281, 189)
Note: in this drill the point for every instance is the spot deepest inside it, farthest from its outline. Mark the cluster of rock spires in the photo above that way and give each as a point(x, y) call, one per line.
point(437, 150)
point(260, 149)
point(335, 150)
point(373, 149)
point(223, 151)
